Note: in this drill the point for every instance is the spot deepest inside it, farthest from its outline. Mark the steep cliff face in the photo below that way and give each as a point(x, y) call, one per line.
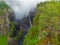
point(46, 25)
point(4, 18)
point(4, 23)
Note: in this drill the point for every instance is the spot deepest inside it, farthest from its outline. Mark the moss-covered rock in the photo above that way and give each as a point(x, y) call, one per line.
point(46, 25)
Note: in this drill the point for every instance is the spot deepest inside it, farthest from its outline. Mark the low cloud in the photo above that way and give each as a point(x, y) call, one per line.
point(22, 8)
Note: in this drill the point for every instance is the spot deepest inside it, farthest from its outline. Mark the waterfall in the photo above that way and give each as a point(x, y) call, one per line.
point(22, 8)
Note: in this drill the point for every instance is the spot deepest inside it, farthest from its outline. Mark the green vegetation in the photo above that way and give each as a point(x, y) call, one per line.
point(12, 28)
point(46, 25)
point(3, 5)
point(3, 40)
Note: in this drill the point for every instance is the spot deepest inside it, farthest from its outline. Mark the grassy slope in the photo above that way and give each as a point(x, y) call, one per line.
point(46, 25)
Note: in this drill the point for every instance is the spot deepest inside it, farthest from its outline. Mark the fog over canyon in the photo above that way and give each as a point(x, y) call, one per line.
point(22, 8)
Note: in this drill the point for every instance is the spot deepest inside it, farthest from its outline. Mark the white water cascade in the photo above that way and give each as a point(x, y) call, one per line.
point(22, 8)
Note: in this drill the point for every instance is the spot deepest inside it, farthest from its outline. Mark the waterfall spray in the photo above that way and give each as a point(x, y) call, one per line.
point(22, 8)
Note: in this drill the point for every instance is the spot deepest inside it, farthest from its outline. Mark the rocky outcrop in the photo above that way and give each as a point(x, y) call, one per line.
point(4, 21)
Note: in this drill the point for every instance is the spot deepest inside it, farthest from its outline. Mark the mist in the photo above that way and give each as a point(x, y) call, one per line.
point(22, 8)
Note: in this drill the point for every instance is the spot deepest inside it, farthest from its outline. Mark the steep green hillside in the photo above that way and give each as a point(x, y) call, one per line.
point(46, 25)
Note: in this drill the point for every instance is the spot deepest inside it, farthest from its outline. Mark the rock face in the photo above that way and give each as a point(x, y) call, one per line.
point(46, 25)
point(5, 16)
point(4, 21)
